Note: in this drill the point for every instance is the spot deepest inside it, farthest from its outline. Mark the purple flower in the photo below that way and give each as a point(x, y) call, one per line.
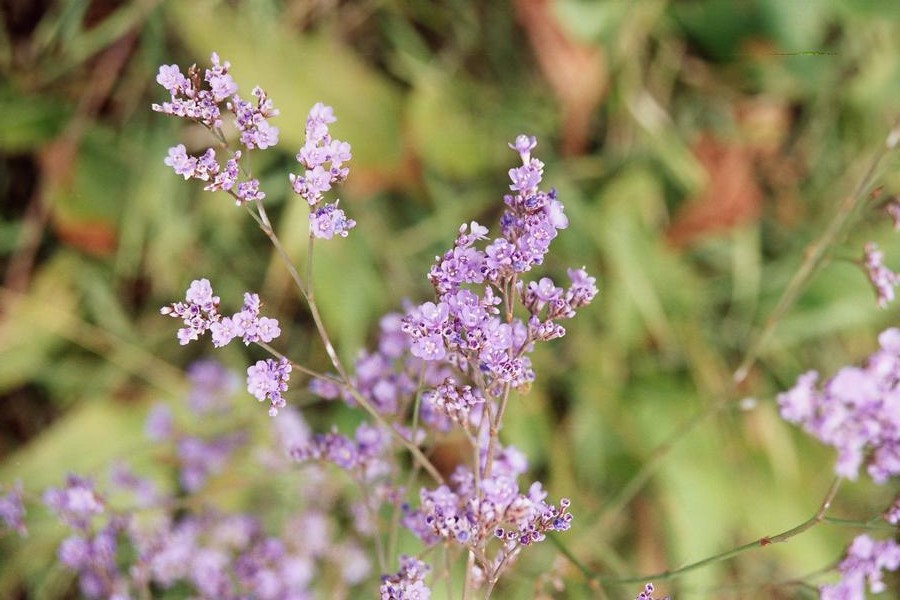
point(170, 77)
point(322, 159)
point(248, 191)
point(75, 504)
point(647, 593)
point(524, 144)
point(857, 412)
point(408, 583)
point(892, 208)
point(892, 514)
point(179, 160)
point(200, 314)
point(201, 458)
point(882, 278)
point(12, 511)
point(220, 82)
point(267, 379)
point(527, 177)
point(158, 424)
point(865, 561)
point(225, 178)
point(329, 221)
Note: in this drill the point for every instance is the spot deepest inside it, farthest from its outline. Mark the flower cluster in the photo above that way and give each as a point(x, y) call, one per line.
point(465, 327)
point(857, 411)
point(75, 504)
point(408, 583)
point(267, 380)
point(200, 313)
point(187, 548)
point(865, 561)
point(323, 161)
point(12, 511)
point(189, 100)
point(387, 376)
point(881, 277)
point(471, 513)
point(364, 455)
point(198, 458)
point(455, 401)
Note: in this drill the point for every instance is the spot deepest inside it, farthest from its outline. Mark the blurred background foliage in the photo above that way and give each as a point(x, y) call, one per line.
point(699, 147)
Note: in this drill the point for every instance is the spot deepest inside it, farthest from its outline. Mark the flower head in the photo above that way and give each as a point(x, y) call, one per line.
point(267, 380)
point(12, 511)
point(857, 411)
point(865, 561)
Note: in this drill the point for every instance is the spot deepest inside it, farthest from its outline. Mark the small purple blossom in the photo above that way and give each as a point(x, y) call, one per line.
point(179, 160)
point(408, 583)
point(158, 424)
point(12, 511)
point(328, 221)
point(267, 379)
point(892, 208)
point(75, 504)
point(170, 77)
point(882, 278)
point(202, 458)
point(524, 144)
point(93, 557)
point(865, 561)
point(647, 593)
point(892, 514)
point(211, 386)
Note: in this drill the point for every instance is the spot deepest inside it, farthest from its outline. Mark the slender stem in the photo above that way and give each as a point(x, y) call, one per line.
point(413, 449)
point(470, 565)
point(263, 221)
point(762, 542)
point(815, 255)
point(373, 514)
point(317, 317)
point(494, 431)
point(307, 292)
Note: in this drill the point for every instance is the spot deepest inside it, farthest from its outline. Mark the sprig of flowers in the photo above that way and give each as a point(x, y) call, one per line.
point(857, 411)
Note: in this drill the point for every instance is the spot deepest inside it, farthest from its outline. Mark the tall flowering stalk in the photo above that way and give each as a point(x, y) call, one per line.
point(448, 363)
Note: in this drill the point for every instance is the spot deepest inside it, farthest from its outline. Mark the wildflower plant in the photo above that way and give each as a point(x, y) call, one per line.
point(449, 363)
point(371, 507)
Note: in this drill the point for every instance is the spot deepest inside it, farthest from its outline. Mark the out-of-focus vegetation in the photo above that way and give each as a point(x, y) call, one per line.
point(699, 147)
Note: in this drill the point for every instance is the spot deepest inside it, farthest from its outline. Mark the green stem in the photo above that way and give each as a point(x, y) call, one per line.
point(816, 254)
point(762, 542)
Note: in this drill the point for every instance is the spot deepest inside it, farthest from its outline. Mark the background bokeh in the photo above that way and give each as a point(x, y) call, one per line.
point(699, 148)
